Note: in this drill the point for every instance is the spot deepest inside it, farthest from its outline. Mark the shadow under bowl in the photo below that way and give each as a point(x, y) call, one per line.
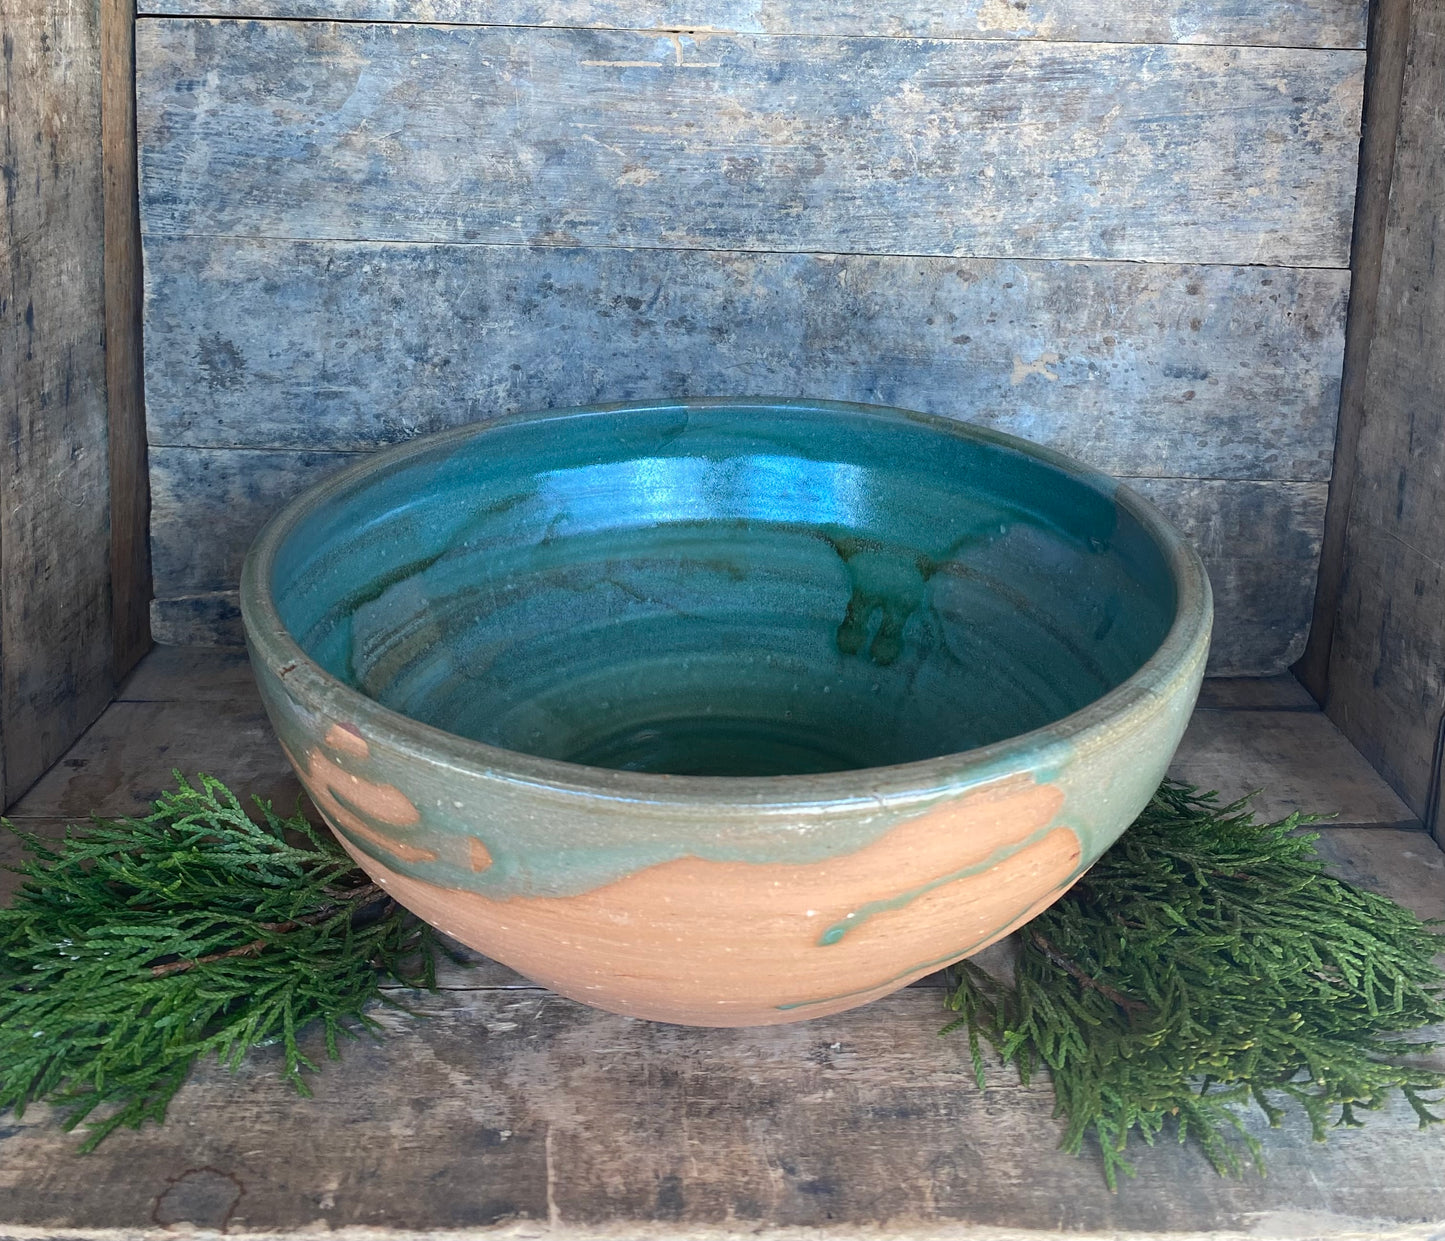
point(726, 712)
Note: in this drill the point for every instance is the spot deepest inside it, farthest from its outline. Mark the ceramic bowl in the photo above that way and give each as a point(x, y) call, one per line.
point(726, 712)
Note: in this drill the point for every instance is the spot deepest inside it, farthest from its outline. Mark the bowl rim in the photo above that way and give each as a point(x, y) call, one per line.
point(1143, 692)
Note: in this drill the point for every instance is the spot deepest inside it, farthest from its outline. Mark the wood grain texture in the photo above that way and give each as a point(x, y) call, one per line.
point(1384, 80)
point(1387, 667)
point(1300, 760)
point(55, 625)
point(518, 1108)
point(130, 570)
point(1273, 23)
point(1223, 372)
point(616, 138)
point(1258, 540)
point(126, 759)
point(1260, 544)
point(1276, 693)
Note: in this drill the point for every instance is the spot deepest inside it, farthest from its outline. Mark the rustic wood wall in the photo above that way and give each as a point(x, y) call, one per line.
point(55, 608)
point(1386, 676)
point(1116, 226)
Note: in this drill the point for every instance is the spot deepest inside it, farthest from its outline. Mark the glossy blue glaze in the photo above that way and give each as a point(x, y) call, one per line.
point(727, 589)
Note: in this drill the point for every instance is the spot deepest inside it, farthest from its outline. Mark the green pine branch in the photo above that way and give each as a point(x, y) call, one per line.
point(136, 946)
point(1205, 964)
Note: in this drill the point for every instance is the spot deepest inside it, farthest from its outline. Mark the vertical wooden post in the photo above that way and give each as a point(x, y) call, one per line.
point(1386, 684)
point(56, 670)
point(1389, 36)
point(125, 389)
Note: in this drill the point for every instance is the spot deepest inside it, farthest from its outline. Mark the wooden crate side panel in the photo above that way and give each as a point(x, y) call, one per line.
point(1387, 668)
point(125, 394)
point(55, 620)
point(618, 138)
point(1272, 23)
point(210, 503)
point(1220, 372)
point(1384, 78)
point(1387, 674)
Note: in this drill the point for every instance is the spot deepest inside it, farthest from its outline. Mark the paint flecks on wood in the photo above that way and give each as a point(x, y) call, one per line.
point(617, 138)
point(1223, 372)
point(55, 619)
point(1273, 23)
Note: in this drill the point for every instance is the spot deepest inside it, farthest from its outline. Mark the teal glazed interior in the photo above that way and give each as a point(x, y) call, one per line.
point(727, 588)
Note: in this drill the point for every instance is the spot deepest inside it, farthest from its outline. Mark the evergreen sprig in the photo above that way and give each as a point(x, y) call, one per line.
point(1205, 963)
point(138, 945)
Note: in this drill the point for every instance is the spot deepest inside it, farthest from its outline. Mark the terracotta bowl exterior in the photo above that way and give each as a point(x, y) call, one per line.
point(726, 712)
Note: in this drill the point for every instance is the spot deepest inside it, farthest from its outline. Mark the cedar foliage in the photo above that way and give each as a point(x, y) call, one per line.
point(138, 945)
point(1205, 963)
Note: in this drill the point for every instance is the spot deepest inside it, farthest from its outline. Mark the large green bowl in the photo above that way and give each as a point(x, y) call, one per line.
point(726, 712)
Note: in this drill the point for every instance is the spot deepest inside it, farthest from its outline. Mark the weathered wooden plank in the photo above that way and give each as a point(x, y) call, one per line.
point(522, 1109)
point(55, 635)
point(567, 137)
point(1276, 693)
point(130, 570)
point(1384, 80)
point(186, 673)
point(1407, 866)
point(1271, 23)
point(1387, 666)
point(126, 759)
point(1300, 760)
point(1224, 372)
point(1259, 542)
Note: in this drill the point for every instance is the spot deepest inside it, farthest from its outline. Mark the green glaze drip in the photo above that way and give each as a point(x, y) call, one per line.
point(918, 967)
point(887, 582)
point(861, 915)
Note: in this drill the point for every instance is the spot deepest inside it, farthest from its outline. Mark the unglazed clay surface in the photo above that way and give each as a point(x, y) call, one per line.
point(726, 713)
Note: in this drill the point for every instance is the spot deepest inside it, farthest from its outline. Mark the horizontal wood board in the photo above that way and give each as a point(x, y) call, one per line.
point(517, 1108)
point(55, 616)
point(1271, 23)
point(1216, 372)
point(1259, 541)
point(359, 231)
point(1387, 668)
point(619, 138)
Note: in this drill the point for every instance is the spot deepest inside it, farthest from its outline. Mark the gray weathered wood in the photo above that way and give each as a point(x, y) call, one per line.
point(521, 1109)
point(1276, 693)
point(130, 570)
point(1259, 541)
point(1387, 666)
point(565, 137)
point(1274, 23)
point(55, 635)
point(1300, 760)
point(1384, 79)
point(127, 757)
point(1221, 372)
point(1407, 866)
